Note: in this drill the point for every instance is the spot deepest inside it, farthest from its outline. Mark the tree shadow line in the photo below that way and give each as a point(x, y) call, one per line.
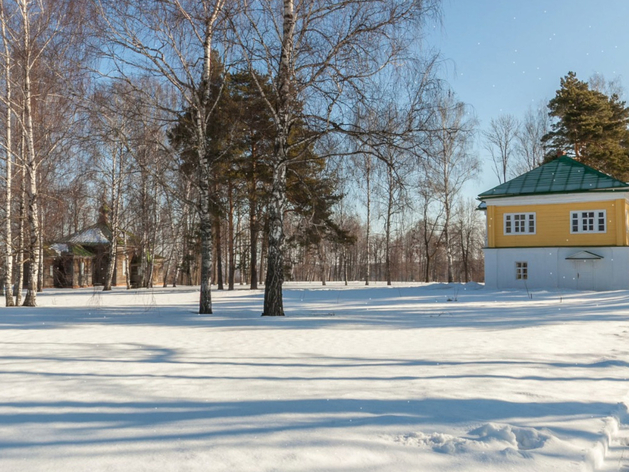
point(73, 420)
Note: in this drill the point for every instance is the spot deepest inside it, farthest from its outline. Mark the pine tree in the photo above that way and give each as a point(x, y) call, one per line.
point(590, 126)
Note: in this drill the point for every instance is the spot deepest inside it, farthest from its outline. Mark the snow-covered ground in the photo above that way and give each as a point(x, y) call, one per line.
point(404, 378)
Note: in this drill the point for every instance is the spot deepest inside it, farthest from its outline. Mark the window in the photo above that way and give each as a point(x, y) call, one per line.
point(519, 223)
point(522, 270)
point(590, 221)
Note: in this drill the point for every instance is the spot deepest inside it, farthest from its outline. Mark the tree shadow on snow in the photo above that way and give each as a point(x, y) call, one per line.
point(96, 423)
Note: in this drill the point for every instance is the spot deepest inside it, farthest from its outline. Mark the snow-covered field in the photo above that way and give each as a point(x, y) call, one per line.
point(404, 378)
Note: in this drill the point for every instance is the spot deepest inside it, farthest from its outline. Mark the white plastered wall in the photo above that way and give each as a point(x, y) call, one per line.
point(548, 268)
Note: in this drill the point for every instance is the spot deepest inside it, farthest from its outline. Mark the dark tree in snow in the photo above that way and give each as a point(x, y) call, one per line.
point(590, 126)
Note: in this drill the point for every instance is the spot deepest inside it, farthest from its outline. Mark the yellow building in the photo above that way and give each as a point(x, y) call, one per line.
point(561, 225)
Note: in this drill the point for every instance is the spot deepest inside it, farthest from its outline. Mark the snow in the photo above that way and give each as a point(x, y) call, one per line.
point(59, 248)
point(411, 377)
point(92, 235)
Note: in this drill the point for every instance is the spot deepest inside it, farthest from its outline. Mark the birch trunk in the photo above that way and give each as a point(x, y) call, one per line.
point(8, 251)
point(21, 238)
point(113, 248)
point(115, 206)
point(127, 267)
point(31, 167)
point(273, 303)
point(201, 115)
point(205, 227)
point(40, 261)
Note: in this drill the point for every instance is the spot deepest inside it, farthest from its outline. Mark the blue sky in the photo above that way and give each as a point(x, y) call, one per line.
point(503, 55)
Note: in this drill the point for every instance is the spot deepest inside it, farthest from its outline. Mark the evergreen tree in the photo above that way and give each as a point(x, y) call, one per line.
point(590, 125)
point(256, 143)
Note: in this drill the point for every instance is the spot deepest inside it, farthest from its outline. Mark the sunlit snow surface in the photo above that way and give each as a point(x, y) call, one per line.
point(93, 235)
point(404, 378)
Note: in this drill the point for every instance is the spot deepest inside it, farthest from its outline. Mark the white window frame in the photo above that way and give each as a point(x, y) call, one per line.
point(582, 217)
point(521, 270)
point(515, 225)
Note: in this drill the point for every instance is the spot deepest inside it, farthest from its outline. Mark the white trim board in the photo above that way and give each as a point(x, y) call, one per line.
point(550, 199)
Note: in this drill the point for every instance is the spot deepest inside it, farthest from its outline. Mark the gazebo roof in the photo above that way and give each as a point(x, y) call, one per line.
point(91, 236)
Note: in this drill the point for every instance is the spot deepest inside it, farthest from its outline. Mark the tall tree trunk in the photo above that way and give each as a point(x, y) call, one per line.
point(323, 267)
point(40, 261)
point(427, 268)
point(242, 252)
point(127, 266)
point(219, 252)
point(446, 240)
point(112, 253)
point(8, 235)
point(387, 261)
point(253, 218)
point(22, 228)
point(466, 242)
point(345, 264)
point(31, 169)
point(114, 199)
point(253, 236)
point(202, 111)
point(111, 263)
point(367, 236)
point(273, 303)
point(205, 227)
point(180, 269)
point(264, 249)
point(156, 209)
point(230, 239)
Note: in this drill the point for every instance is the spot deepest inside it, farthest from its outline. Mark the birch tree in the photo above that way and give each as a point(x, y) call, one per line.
point(41, 38)
point(175, 40)
point(109, 142)
point(450, 162)
point(30, 164)
point(428, 225)
point(318, 53)
point(500, 142)
point(529, 147)
point(8, 154)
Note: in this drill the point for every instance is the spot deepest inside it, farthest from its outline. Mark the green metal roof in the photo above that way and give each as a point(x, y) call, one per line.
point(563, 175)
